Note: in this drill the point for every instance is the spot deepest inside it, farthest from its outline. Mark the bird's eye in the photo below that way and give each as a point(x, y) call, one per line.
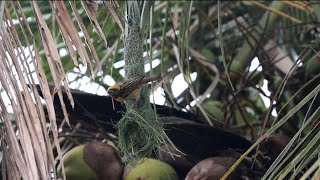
point(110, 92)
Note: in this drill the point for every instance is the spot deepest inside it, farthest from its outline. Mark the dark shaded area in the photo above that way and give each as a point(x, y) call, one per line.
point(182, 127)
point(200, 139)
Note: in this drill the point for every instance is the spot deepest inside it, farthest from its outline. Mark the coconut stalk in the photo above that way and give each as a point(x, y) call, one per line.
point(245, 53)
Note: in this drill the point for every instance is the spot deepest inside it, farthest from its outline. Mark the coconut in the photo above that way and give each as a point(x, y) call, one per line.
point(74, 165)
point(94, 160)
point(150, 169)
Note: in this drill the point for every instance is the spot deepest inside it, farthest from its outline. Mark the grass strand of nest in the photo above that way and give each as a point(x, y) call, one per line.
point(137, 135)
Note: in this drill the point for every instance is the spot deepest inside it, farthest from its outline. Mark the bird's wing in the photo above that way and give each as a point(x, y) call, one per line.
point(130, 85)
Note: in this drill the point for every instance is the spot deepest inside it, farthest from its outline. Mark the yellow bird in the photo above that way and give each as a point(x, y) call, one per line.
point(130, 89)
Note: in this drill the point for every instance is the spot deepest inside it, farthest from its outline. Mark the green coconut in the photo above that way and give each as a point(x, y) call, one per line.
point(75, 167)
point(94, 160)
point(150, 169)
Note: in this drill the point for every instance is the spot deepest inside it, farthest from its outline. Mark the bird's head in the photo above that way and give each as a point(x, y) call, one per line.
point(114, 92)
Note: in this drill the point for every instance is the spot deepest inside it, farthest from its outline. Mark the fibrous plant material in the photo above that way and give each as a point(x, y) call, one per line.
point(139, 130)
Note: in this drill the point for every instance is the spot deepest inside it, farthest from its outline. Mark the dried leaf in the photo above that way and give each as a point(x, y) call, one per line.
point(114, 14)
point(87, 38)
point(56, 70)
point(92, 5)
point(70, 34)
point(91, 14)
point(20, 155)
point(31, 117)
point(53, 57)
